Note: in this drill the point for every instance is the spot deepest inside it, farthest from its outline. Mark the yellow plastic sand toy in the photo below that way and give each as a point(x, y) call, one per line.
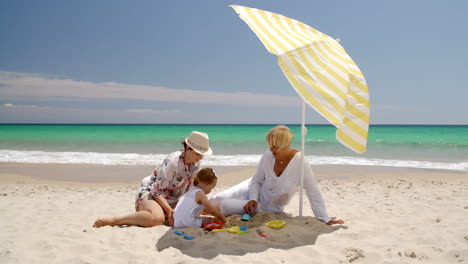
point(276, 224)
point(234, 230)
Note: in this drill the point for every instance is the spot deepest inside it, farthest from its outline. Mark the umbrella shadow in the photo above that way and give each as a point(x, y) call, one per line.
point(298, 231)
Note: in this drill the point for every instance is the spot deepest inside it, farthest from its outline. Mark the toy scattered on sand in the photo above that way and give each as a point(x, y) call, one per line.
point(183, 234)
point(214, 225)
point(233, 230)
point(246, 217)
point(276, 224)
point(244, 230)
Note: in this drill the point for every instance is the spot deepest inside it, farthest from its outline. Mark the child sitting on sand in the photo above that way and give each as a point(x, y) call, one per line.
point(194, 202)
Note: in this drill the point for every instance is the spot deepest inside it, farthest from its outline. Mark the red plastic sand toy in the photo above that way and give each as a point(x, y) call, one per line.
point(214, 225)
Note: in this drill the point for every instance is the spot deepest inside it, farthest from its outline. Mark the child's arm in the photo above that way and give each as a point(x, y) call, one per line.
point(201, 198)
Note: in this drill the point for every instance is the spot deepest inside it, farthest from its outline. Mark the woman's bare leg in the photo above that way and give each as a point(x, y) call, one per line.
point(149, 214)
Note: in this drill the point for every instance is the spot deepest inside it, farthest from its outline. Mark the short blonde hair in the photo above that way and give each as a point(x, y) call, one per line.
point(206, 175)
point(279, 137)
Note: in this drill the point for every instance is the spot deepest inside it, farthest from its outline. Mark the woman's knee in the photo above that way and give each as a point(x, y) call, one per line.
point(239, 191)
point(215, 201)
point(232, 206)
point(156, 214)
point(156, 220)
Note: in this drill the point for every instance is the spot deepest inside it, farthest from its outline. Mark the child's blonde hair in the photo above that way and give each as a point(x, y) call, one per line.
point(279, 137)
point(205, 175)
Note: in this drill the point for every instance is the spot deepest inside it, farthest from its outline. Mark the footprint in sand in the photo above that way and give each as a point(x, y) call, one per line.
point(353, 254)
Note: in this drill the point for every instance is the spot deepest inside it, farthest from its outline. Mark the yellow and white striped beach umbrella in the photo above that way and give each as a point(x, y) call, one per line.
point(320, 70)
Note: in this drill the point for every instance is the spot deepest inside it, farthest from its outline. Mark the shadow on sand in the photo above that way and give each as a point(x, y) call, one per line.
point(298, 231)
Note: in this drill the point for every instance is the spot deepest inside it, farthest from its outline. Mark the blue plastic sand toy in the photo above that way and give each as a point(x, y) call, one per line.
point(184, 235)
point(245, 217)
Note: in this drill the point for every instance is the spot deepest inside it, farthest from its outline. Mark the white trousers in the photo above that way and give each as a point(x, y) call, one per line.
point(232, 200)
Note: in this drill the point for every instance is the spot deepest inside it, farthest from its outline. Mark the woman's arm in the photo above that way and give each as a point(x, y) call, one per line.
point(254, 188)
point(167, 208)
point(313, 193)
point(201, 198)
point(257, 180)
point(167, 171)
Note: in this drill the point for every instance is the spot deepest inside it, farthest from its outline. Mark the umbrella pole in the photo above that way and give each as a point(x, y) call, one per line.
point(303, 133)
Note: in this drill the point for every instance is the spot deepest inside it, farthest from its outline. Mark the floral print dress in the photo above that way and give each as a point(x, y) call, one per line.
point(171, 180)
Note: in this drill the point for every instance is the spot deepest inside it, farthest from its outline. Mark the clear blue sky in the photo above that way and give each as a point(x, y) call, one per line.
point(111, 61)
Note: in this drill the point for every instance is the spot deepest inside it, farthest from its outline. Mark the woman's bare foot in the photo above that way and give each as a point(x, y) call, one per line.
point(100, 222)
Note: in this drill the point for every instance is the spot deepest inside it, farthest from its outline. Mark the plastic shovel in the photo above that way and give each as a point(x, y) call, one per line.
point(183, 234)
point(234, 230)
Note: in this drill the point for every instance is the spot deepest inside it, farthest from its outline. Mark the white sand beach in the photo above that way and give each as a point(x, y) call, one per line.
point(391, 215)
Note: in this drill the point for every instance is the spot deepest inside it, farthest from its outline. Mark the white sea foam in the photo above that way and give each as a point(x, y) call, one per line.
point(215, 160)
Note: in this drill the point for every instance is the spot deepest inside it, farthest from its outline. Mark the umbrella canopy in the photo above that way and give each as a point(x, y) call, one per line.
point(319, 69)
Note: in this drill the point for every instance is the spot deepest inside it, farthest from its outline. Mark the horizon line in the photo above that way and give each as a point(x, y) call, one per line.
point(221, 124)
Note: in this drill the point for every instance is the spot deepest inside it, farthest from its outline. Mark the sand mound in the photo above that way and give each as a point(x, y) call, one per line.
point(298, 231)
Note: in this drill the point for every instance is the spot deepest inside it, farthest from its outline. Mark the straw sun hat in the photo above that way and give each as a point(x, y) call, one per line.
point(199, 142)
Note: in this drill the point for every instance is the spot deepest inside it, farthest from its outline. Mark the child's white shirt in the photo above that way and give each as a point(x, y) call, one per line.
point(187, 212)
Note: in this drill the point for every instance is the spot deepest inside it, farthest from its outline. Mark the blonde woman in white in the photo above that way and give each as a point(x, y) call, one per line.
point(275, 182)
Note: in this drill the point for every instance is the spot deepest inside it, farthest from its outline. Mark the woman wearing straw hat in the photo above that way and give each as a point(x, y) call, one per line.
point(160, 192)
point(274, 183)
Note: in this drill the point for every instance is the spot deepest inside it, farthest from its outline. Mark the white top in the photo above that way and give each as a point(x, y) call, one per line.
point(273, 193)
point(187, 212)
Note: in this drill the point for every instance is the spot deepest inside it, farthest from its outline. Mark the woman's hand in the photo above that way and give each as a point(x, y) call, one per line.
point(335, 221)
point(251, 207)
point(170, 217)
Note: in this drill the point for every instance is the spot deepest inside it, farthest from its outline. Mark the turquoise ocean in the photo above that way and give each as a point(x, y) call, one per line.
point(414, 146)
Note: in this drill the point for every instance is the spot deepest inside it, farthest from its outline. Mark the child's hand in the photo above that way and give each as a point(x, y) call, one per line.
point(223, 218)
